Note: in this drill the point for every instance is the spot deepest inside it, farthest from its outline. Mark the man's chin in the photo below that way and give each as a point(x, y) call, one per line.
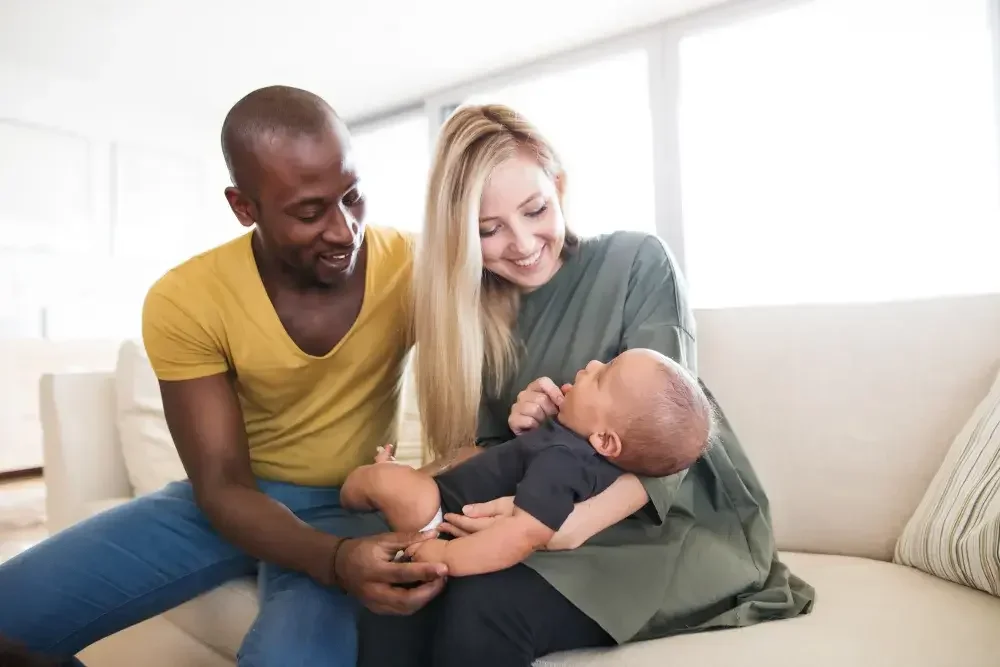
point(330, 275)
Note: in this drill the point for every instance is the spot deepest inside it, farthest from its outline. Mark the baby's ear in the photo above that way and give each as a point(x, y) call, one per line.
point(607, 444)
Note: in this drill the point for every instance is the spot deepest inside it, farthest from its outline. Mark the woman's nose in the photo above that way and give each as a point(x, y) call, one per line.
point(523, 241)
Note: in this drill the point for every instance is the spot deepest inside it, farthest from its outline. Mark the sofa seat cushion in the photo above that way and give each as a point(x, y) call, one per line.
point(220, 618)
point(867, 613)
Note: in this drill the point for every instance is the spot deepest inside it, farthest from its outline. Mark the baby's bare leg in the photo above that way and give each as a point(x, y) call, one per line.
point(408, 498)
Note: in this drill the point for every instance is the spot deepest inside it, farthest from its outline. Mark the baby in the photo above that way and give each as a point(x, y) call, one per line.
point(641, 413)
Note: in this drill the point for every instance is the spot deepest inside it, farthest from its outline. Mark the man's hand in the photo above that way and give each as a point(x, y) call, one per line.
point(539, 401)
point(364, 568)
point(477, 517)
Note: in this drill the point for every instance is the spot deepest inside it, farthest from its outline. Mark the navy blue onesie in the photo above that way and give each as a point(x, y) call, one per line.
point(547, 470)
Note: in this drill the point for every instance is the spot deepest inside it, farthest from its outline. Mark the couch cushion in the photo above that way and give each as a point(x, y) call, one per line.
point(150, 456)
point(955, 531)
point(846, 411)
point(867, 613)
point(220, 618)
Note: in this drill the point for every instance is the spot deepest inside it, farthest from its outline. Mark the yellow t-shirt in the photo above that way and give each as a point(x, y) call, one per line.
point(309, 420)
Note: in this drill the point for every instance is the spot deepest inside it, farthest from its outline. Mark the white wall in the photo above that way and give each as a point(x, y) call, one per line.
point(110, 169)
point(97, 197)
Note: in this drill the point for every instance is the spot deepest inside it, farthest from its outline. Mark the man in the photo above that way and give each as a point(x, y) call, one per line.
point(279, 356)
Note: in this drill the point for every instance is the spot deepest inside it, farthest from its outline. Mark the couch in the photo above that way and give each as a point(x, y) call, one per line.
point(847, 412)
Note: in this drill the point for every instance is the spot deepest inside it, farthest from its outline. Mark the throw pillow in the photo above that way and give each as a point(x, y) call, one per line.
point(150, 456)
point(954, 533)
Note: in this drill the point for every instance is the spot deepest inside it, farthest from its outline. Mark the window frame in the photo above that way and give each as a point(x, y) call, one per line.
point(661, 41)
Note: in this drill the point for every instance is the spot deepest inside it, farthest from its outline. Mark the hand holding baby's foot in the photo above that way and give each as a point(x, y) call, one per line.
point(428, 551)
point(385, 454)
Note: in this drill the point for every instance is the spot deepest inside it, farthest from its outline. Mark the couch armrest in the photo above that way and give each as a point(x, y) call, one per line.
point(82, 452)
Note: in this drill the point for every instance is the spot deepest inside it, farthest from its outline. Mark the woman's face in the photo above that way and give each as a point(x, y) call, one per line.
point(521, 224)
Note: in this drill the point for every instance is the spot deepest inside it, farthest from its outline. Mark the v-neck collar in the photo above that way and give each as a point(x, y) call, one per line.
point(262, 303)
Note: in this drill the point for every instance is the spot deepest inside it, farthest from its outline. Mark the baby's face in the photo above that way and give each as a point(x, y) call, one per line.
point(599, 399)
point(589, 401)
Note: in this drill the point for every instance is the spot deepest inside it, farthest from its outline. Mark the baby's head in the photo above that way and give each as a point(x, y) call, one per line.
point(642, 411)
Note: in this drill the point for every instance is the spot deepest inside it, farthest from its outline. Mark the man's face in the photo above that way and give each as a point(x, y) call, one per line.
point(304, 197)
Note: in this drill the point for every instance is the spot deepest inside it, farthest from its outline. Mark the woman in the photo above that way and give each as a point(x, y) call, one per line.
point(510, 304)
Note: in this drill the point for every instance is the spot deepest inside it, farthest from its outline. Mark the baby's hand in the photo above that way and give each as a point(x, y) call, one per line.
point(428, 551)
point(385, 454)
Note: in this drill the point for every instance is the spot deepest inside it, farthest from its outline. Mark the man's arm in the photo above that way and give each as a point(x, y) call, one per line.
point(206, 424)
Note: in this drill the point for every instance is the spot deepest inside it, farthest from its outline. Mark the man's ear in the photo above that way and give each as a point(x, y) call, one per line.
point(245, 210)
point(607, 444)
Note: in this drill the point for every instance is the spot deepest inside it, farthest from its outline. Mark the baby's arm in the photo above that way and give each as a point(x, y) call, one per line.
point(507, 542)
point(553, 482)
point(408, 498)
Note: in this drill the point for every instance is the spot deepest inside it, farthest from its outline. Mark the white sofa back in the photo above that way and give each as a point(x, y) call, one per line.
point(845, 411)
point(22, 364)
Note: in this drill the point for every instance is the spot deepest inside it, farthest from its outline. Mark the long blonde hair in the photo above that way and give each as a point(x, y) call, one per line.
point(464, 316)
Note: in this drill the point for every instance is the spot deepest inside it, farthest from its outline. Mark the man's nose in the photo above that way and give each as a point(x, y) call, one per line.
point(341, 227)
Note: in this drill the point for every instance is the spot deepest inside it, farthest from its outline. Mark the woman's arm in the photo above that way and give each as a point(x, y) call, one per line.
point(626, 496)
point(507, 542)
point(622, 499)
point(657, 316)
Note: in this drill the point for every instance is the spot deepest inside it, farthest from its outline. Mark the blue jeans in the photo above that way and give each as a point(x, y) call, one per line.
point(142, 558)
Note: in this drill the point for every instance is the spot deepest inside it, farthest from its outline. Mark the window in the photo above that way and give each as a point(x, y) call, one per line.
point(841, 150)
point(393, 159)
point(598, 118)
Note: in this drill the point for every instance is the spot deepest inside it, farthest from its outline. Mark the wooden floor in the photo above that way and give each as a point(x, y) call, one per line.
point(22, 515)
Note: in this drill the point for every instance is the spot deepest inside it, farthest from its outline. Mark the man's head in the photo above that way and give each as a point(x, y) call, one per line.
point(291, 164)
point(642, 411)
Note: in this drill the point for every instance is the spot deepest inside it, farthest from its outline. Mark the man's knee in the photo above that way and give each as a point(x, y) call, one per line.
point(302, 624)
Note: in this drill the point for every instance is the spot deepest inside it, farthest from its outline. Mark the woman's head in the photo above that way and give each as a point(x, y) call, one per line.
point(494, 229)
point(497, 182)
point(521, 226)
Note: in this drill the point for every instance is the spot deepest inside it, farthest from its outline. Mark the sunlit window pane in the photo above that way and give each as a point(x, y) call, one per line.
point(841, 150)
point(598, 117)
point(393, 159)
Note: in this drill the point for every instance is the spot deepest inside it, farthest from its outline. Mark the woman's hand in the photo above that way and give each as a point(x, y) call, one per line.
point(540, 400)
point(385, 454)
point(622, 499)
point(476, 517)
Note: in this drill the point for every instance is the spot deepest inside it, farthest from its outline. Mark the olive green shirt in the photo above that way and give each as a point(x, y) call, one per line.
point(701, 554)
